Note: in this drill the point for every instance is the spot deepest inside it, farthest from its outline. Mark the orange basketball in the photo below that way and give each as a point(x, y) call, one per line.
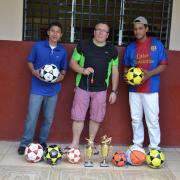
point(135, 155)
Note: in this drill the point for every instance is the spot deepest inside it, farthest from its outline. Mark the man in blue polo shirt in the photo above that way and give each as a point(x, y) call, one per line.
point(44, 95)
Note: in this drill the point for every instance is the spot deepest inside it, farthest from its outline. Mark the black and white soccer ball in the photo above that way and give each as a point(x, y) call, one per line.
point(49, 73)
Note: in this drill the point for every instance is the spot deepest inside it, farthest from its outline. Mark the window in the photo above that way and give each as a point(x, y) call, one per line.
point(78, 18)
point(158, 14)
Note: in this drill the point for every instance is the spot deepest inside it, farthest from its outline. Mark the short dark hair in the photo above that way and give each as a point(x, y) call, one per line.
point(55, 23)
point(103, 23)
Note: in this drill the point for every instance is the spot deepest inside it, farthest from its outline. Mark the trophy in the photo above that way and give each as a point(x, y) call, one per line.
point(105, 147)
point(89, 153)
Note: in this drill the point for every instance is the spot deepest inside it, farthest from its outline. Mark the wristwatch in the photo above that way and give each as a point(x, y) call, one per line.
point(115, 92)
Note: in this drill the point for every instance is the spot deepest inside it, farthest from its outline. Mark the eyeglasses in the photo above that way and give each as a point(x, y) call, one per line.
point(101, 30)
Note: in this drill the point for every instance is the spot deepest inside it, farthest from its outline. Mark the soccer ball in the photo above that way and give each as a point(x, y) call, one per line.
point(134, 76)
point(33, 152)
point(49, 73)
point(155, 158)
point(52, 154)
point(73, 155)
point(119, 159)
point(135, 155)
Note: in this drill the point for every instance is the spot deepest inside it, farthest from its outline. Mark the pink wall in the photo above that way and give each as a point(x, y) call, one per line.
point(15, 87)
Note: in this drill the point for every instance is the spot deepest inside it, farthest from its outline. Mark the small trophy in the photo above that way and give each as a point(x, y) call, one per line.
point(89, 153)
point(105, 146)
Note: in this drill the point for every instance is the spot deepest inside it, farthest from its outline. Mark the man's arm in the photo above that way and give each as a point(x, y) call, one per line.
point(162, 65)
point(61, 75)
point(33, 71)
point(159, 69)
point(77, 68)
point(115, 82)
point(125, 72)
point(63, 67)
point(125, 69)
point(115, 78)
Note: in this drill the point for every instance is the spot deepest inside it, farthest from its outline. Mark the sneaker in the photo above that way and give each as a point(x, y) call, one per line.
point(21, 150)
point(44, 146)
point(139, 145)
point(157, 149)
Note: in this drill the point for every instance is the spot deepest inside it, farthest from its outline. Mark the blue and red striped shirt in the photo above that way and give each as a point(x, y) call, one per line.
point(147, 55)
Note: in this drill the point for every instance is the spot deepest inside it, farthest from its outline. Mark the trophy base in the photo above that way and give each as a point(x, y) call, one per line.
point(89, 164)
point(104, 164)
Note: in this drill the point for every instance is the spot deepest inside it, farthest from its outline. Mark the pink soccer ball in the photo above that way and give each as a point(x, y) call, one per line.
point(33, 152)
point(73, 155)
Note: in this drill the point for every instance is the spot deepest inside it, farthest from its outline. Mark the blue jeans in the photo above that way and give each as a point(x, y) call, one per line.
point(48, 104)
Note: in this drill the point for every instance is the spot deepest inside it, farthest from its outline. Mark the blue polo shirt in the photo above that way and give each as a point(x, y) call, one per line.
point(41, 55)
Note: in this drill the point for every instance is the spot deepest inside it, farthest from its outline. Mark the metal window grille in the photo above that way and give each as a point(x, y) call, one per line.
point(79, 17)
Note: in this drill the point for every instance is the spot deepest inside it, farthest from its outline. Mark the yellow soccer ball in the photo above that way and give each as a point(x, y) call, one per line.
point(155, 158)
point(134, 76)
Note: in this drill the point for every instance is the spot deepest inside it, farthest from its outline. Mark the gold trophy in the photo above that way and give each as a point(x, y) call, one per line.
point(89, 153)
point(105, 147)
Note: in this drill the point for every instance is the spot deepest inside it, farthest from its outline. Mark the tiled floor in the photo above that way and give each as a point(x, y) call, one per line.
point(15, 167)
